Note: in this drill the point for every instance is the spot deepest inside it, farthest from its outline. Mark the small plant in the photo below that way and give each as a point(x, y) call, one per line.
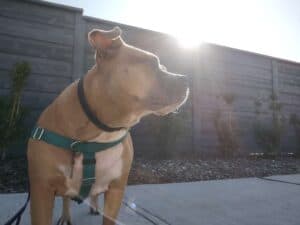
point(12, 114)
point(269, 136)
point(295, 123)
point(225, 126)
point(167, 130)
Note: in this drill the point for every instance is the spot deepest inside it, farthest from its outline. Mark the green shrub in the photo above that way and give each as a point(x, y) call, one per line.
point(295, 123)
point(167, 129)
point(225, 126)
point(12, 114)
point(268, 136)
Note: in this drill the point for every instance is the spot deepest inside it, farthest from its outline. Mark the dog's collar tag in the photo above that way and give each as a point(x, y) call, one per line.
point(85, 107)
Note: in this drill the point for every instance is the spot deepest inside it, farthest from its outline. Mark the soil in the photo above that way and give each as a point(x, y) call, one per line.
point(13, 172)
point(170, 171)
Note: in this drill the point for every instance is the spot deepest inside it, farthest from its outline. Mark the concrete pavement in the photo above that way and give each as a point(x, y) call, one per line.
point(246, 201)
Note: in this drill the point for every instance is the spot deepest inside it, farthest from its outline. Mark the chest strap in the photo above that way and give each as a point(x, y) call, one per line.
point(88, 149)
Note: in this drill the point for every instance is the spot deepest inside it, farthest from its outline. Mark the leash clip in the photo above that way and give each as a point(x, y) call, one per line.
point(73, 144)
point(38, 133)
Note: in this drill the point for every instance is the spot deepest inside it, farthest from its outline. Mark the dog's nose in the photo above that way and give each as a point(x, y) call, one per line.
point(180, 79)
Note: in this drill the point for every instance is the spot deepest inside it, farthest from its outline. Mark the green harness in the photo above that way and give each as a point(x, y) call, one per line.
point(88, 149)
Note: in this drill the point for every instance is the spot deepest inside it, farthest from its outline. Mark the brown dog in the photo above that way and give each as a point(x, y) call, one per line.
point(124, 85)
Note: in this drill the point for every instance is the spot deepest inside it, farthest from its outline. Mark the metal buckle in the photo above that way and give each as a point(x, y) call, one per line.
point(73, 144)
point(38, 133)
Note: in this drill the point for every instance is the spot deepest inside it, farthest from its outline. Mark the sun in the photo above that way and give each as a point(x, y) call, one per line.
point(189, 29)
point(190, 40)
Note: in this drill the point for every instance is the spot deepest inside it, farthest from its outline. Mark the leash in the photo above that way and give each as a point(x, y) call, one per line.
point(17, 217)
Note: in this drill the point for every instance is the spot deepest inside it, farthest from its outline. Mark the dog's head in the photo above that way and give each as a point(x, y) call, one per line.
point(133, 80)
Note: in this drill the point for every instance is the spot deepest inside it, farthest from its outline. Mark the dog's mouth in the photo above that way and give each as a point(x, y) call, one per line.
point(173, 108)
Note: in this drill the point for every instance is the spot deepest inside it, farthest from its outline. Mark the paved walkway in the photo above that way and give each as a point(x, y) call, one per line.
point(248, 201)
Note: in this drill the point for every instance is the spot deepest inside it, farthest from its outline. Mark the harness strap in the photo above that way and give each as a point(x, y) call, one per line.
point(61, 141)
point(88, 149)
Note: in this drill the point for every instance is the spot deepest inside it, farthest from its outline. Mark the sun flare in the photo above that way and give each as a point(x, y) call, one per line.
point(189, 41)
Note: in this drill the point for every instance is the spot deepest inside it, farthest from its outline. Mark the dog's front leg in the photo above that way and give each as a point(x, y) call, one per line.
point(112, 203)
point(114, 195)
point(42, 202)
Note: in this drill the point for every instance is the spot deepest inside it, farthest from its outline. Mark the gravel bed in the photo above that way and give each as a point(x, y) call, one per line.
point(13, 173)
point(171, 171)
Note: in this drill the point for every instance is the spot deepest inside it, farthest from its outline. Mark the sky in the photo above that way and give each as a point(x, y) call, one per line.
point(270, 27)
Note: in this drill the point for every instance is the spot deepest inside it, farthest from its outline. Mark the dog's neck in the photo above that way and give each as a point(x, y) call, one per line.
point(109, 112)
point(66, 116)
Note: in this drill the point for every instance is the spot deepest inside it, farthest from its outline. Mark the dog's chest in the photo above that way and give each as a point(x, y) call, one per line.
point(108, 167)
point(109, 163)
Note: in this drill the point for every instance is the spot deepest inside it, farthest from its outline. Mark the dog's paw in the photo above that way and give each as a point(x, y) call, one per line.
point(63, 221)
point(94, 212)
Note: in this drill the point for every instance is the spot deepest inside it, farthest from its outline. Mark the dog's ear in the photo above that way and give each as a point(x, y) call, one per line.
point(103, 40)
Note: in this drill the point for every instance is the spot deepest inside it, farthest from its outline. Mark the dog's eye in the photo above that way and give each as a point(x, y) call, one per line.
point(136, 98)
point(126, 70)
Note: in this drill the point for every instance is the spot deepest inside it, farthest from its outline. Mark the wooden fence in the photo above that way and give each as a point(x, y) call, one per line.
point(53, 39)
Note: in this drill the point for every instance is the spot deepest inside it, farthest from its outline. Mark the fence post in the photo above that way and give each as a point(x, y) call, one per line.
point(78, 47)
point(275, 77)
point(197, 65)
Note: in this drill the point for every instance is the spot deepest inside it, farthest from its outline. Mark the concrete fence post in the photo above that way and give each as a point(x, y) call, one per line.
point(78, 47)
point(275, 77)
point(198, 72)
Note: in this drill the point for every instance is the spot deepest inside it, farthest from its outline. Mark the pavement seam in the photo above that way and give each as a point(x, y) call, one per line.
point(145, 211)
point(139, 213)
point(279, 181)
